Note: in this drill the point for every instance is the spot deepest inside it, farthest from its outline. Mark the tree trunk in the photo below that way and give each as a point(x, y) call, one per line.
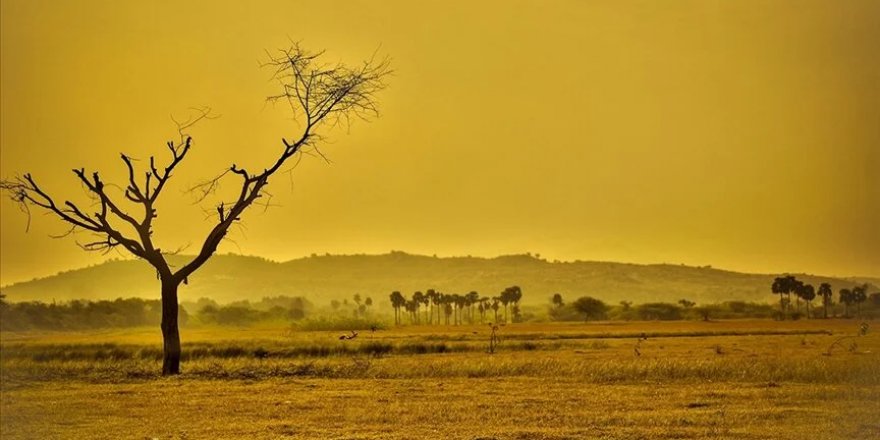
point(170, 332)
point(825, 303)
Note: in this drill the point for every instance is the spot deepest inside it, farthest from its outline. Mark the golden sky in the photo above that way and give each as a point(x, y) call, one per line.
point(741, 134)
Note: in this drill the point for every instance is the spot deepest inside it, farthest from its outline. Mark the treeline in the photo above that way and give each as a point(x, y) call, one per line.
point(239, 313)
point(849, 298)
point(591, 309)
point(82, 315)
point(136, 312)
point(455, 309)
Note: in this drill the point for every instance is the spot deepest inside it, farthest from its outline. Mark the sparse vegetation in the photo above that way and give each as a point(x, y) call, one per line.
point(760, 371)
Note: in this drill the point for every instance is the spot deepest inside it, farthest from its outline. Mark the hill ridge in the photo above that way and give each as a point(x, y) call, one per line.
point(231, 277)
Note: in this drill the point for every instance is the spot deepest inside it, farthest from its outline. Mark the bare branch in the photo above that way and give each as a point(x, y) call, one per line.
point(319, 96)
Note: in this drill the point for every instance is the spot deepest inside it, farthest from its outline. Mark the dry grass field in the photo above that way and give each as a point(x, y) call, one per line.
point(696, 380)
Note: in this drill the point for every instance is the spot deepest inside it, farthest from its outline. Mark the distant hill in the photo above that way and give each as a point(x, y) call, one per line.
point(227, 278)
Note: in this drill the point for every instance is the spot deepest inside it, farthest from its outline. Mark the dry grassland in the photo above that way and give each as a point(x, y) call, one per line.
point(732, 379)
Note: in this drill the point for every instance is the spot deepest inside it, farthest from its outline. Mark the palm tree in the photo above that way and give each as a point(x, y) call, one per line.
point(846, 298)
point(417, 299)
point(808, 293)
point(859, 295)
point(484, 303)
point(515, 295)
point(431, 294)
point(397, 301)
point(825, 292)
point(412, 306)
point(495, 307)
point(798, 289)
point(357, 300)
point(427, 302)
point(437, 301)
point(510, 295)
point(783, 286)
point(472, 298)
point(458, 302)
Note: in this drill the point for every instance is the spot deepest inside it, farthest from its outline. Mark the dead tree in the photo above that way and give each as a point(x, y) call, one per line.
point(319, 95)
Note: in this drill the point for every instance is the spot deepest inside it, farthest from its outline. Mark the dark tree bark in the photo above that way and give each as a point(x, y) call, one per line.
point(170, 329)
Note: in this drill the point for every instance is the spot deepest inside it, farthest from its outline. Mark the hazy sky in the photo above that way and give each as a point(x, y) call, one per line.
point(741, 134)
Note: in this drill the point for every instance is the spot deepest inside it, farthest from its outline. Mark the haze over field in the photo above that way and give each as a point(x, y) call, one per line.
point(737, 134)
point(228, 278)
point(607, 219)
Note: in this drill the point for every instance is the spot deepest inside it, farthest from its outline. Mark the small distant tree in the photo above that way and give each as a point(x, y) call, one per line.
point(557, 300)
point(495, 306)
point(517, 315)
point(411, 308)
point(357, 301)
point(686, 303)
point(436, 300)
point(417, 298)
point(590, 308)
point(397, 301)
point(504, 297)
point(705, 312)
point(472, 298)
point(859, 295)
point(510, 295)
point(426, 301)
point(826, 293)
point(784, 285)
point(808, 294)
point(846, 298)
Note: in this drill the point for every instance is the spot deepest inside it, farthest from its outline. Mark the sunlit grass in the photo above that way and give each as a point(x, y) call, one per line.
point(731, 379)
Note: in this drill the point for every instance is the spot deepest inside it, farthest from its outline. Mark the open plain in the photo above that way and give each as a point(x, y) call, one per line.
point(723, 379)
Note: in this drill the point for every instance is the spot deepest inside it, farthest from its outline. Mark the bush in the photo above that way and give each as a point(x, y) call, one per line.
point(659, 312)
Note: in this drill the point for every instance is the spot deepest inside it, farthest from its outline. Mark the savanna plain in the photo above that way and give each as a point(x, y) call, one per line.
point(742, 379)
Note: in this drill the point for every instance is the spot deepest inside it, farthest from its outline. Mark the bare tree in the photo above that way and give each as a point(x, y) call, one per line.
point(320, 96)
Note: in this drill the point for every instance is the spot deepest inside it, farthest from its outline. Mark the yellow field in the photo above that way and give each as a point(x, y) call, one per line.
point(730, 379)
